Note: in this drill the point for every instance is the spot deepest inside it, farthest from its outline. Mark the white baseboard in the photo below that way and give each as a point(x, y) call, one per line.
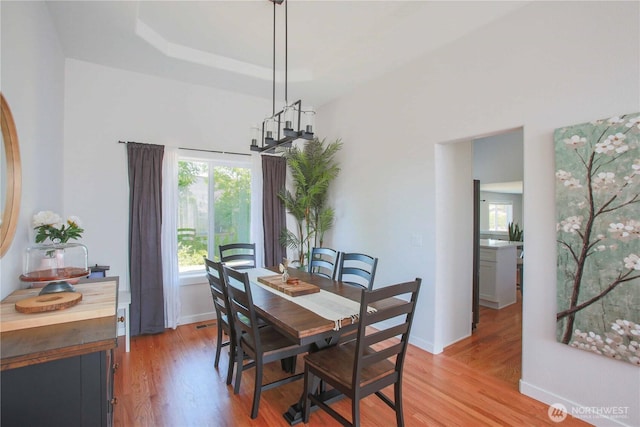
point(195, 318)
point(575, 409)
point(425, 345)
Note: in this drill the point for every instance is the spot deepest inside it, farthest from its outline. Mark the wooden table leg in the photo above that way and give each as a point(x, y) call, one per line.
point(294, 414)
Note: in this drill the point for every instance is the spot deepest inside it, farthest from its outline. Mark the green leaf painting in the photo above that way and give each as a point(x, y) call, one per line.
point(598, 236)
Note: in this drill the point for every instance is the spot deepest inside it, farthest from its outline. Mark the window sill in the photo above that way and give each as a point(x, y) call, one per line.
point(193, 278)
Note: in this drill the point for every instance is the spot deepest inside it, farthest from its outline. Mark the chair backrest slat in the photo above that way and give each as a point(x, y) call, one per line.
point(385, 334)
point(238, 255)
point(357, 269)
point(394, 334)
point(390, 313)
point(242, 308)
point(380, 355)
point(324, 262)
point(217, 287)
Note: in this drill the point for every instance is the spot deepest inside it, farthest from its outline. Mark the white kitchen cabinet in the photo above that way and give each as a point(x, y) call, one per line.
point(498, 273)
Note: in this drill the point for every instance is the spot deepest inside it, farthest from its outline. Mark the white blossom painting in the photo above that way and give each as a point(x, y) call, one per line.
point(598, 236)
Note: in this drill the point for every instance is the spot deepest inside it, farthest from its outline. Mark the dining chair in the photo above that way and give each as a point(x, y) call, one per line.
point(262, 344)
point(357, 269)
point(372, 362)
point(324, 262)
point(223, 313)
point(238, 255)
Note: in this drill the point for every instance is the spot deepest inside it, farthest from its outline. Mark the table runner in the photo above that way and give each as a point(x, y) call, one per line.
point(325, 304)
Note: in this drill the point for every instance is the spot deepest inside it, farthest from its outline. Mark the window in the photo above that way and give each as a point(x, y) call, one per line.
point(500, 215)
point(214, 208)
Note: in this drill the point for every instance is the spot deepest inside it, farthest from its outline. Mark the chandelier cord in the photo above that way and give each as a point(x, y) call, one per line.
point(286, 52)
point(273, 97)
point(283, 127)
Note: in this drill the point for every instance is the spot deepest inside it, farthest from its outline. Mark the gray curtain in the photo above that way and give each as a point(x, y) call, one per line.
point(145, 220)
point(274, 173)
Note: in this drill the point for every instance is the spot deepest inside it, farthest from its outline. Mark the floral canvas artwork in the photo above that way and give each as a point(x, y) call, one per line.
point(598, 236)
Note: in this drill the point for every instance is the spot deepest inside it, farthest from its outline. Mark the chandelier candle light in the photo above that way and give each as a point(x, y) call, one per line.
point(282, 128)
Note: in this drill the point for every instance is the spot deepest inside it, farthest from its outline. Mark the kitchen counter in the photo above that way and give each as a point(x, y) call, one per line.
point(493, 243)
point(498, 272)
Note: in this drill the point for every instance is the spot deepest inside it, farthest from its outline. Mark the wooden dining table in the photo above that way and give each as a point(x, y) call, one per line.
point(299, 323)
point(302, 325)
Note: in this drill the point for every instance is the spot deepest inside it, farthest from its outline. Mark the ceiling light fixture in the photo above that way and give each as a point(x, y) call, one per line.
point(292, 122)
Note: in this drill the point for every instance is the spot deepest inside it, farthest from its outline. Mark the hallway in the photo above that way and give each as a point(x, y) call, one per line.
point(495, 348)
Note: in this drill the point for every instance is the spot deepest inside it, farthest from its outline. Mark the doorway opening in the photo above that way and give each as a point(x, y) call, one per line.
point(498, 220)
point(495, 346)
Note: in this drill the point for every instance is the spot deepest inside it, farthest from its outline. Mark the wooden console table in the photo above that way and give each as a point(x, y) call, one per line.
point(124, 303)
point(57, 367)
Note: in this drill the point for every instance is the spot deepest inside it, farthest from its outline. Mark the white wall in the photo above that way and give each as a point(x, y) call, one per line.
point(453, 243)
point(105, 105)
point(498, 158)
point(547, 65)
point(32, 81)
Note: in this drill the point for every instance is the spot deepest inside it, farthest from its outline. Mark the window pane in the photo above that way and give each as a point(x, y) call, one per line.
point(193, 214)
point(232, 202)
point(214, 209)
point(500, 215)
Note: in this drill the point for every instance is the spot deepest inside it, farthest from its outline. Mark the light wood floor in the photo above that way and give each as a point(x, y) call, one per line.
point(169, 380)
point(495, 347)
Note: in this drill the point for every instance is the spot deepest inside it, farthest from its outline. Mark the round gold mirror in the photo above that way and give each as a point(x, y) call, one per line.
point(10, 178)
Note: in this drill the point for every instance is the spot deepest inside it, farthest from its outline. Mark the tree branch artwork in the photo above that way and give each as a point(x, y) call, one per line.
point(598, 236)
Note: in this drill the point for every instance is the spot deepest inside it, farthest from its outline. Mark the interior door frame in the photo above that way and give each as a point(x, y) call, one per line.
point(476, 255)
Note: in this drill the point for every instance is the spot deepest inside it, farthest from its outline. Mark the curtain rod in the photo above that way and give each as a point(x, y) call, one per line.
point(196, 149)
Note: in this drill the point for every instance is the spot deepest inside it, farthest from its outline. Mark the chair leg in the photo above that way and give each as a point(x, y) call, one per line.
point(257, 390)
point(398, 404)
point(218, 346)
point(239, 358)
point(232, 358)
point(355, 411)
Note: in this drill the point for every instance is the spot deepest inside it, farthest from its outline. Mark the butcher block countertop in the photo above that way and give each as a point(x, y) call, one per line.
point(87, 327)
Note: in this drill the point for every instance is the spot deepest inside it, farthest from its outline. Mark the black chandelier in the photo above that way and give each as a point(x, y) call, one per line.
point(292, 122)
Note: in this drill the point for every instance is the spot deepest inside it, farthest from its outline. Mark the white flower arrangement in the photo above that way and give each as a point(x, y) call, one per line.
point(49, 225)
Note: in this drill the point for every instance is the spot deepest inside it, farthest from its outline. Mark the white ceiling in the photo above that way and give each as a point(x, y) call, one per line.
point(332, 47)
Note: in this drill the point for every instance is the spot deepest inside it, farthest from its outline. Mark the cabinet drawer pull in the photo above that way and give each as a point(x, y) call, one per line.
point(121, 319)
point(114, 401)
point(116, 366)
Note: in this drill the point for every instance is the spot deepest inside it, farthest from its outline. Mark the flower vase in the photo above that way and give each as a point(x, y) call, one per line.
point(48, 263)
point(59, 258)
point(53, 258)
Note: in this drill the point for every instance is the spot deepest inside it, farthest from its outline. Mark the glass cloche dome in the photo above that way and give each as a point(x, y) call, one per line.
point(55, 265)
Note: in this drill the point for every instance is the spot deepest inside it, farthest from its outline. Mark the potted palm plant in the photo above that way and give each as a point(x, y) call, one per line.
point(312, 169)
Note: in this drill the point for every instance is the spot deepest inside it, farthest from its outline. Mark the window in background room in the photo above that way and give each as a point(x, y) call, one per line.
point(214, 208)
point(500, 215)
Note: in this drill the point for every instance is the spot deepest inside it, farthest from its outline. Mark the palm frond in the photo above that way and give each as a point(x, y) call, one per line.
point(312, 167)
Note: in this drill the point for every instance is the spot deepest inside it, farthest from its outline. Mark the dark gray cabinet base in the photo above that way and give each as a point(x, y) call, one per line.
point(74, 391)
